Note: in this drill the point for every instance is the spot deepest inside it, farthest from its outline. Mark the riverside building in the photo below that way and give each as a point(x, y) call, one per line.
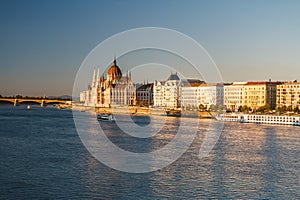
point(257, 94)
point(288, 94)
point(189, 97)
point(205, 94)
point(144, 94)
point(234, 95)
point(210, 94)
point(166, 93)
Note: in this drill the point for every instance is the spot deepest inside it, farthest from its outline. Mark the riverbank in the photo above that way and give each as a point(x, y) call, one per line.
point(145, 111)
point(142, 111)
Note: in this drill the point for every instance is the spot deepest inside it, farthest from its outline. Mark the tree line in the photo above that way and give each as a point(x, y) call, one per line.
point(246, 109)
point(267, 109)
point(31, 97)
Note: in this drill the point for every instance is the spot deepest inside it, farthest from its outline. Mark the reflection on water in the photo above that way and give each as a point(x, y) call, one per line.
point(42, 157)
point(141, 120)
point(166, 132)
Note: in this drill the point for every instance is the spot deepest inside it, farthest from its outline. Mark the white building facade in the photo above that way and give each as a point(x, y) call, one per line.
point(192, 96)
point(189, 97)
point(210, 94)
point(166, 93)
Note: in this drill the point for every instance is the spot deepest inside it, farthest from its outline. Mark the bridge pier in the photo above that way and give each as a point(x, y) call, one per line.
point(43, 103)
point(16, 102)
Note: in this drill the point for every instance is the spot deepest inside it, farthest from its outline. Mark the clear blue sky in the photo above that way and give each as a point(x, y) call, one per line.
point(44, 42)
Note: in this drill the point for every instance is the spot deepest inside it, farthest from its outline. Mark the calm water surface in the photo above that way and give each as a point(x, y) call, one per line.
point(42, 157)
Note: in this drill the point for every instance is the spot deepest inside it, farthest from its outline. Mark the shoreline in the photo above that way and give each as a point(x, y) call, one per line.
point(142, 111)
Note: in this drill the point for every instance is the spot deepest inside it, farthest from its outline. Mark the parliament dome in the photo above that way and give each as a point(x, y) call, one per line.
point(114, 73)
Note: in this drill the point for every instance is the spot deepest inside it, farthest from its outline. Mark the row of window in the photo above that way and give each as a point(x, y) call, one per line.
point(271, 118)
point(288, 86)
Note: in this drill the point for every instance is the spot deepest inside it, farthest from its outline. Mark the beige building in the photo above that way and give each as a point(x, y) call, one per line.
point(234, 95)
point(288, 94)
point(257, 94)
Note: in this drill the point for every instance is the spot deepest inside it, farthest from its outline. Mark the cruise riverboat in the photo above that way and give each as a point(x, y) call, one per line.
point(260, 119)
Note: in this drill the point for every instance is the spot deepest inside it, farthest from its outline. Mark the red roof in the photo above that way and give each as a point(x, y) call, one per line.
point(263, 83)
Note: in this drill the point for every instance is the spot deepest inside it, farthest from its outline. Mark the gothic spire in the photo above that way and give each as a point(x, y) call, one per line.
point(94, 78)
point(98, 74)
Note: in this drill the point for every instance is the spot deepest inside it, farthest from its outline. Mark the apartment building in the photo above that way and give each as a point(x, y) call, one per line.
point(288, 94)
point(257, 94)
point(234, 95)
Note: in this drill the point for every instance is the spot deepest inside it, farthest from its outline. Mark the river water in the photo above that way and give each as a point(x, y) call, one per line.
point(42, 157)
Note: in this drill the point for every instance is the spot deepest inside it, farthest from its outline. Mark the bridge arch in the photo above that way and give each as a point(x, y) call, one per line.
point(54, 102)
point(29, 102)
point(7, 101)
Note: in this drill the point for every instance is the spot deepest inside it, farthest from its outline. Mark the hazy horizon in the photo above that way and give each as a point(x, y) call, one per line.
point(43, 43)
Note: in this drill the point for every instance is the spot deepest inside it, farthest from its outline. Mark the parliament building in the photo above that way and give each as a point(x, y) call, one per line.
point(113, 90)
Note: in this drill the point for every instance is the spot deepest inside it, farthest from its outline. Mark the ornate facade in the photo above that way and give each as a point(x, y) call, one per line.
point(166, 93)
point(144, 94)
point(112, 91)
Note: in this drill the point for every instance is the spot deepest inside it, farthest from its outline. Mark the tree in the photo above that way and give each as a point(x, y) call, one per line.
point(202, 107)
point(240, 109)
point(289, 108)
point(244, 109)
point(264, 109)
point(212, 107)
point(281, 109)
point(220, 107)
point(296, 110)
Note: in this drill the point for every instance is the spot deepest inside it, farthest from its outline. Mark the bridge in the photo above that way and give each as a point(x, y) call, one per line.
point(42, 102)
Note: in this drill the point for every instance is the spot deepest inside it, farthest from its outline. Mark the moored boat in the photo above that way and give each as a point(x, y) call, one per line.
point(106, 117)
point(173, 113)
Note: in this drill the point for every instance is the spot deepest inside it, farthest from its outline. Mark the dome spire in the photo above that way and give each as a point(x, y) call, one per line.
point(115, 60)
point(114, 73)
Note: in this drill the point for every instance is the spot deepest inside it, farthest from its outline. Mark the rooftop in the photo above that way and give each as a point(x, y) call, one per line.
point(173, 77)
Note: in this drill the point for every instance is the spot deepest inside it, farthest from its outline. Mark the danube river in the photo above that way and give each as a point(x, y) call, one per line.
point(42, 157)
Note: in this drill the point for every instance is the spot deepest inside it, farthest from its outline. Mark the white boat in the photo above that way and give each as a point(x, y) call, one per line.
point(233, 117)
point(28, 107)
point(106, 117)
point(260, 119)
